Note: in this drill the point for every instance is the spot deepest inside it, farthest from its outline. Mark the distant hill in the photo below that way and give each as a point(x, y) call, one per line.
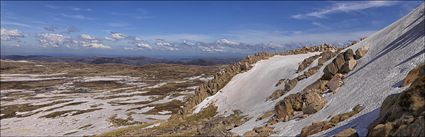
point(136, 61)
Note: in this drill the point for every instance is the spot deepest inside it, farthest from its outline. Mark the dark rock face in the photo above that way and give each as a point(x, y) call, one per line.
point(403, 114)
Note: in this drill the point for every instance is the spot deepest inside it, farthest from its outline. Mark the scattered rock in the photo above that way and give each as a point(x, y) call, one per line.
point(290, 84)
point(348, 66)
point(280, 82)
point(295, 101)
point(276, 94)
point(339, 61)
point(403, 114)
point(313, 102)
point(315, 127)
point(349, 132)
point(348, 54)
point(325, 57)
point(361, 52)
point(311, 71)
point(318, 86)
point(335, 82)
point(284, 110)
point(329, 71)
point(412, 75)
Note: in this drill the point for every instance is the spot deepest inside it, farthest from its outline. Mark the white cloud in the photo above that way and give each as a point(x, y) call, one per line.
point(51, 39)
point(95, 45)
point(77, 16)
point(345, 7)
point(180, 37)
point(162, 44)
point(87, 37)
point(116, 36)
point(10, 34)
point(227, 42)
point(320, 25)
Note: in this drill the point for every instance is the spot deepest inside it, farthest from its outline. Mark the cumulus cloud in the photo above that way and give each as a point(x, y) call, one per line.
point(87, 37)
point(141, 44)
point(51, 39)
point(91, 42)
point(10, 34)
point(116, 36)
point(227, 42)
point(345, 7)
point(162, 44)
point(95, 45)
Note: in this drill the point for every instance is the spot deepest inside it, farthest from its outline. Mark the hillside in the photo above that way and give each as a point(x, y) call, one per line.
point(305, 92)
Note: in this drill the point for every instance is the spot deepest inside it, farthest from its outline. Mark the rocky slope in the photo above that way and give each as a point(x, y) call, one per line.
point(329, 91)
point(316, 91)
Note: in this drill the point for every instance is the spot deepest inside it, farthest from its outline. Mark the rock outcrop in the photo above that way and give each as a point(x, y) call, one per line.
point(306, 62)
point(313, 103)
point(315, 127)
point(349, 132)
point(335, 82)
point(403, 114)
point(361, 52)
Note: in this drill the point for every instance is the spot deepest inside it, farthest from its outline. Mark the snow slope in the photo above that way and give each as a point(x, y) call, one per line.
point(393, 51)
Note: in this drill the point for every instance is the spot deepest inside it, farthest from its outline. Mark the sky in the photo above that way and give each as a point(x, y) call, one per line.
point(182, 28)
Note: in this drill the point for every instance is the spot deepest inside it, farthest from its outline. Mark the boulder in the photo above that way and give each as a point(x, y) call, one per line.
point(313, 103)
point(290, 84)
point(251, 133)
point(412, 75)
point(348, 66)
point(348, 54)
point(325, 57)
point(311, 71)
point(276, 94)
point(281, 81)
point(335, 82)
point(349, 132)
point(339, 61)
point(263, 131)
point(318, 86)
point(402, 114)
point(284, 110)
point(361, 52)
point(315, 127)
point(295, 101)
point(329, 71)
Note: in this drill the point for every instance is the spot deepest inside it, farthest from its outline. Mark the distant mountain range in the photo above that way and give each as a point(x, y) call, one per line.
point(136, 61)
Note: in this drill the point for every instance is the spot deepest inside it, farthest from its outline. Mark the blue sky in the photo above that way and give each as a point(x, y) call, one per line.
point(158, 28)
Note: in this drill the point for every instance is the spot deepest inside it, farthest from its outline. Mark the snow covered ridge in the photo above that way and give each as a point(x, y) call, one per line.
point(222, 78)
point(392, 52)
